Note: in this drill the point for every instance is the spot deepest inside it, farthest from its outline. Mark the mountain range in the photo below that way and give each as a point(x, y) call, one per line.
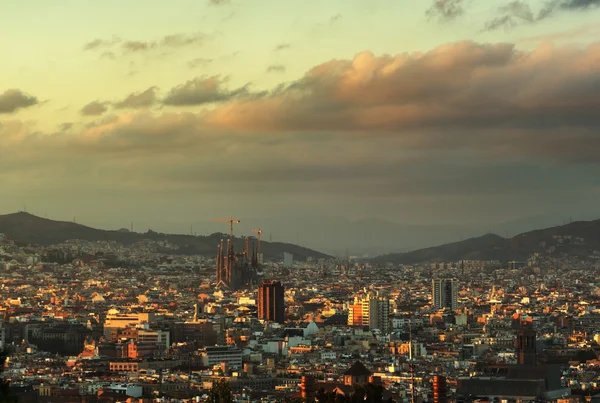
point(584, 241)
point(30, 229)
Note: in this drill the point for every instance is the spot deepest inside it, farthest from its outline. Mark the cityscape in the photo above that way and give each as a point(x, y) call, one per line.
point(300, 201)
point(90, 321)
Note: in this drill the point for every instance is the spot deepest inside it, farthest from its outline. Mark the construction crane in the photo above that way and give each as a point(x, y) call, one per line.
point(231, 221)
point(258, 231)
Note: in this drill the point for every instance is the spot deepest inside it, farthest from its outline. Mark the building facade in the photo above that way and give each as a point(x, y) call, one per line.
point(445, 293)
point(271, 302)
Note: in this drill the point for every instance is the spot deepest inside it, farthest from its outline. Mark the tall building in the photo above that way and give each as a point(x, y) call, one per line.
point(271, 303)
point(439, 389)
point(445, 293)
point(236, 270)
point(372, 310)
point(288, 259)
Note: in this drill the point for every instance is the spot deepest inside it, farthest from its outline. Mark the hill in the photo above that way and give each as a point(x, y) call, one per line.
point(579, 238)
point(30, 229)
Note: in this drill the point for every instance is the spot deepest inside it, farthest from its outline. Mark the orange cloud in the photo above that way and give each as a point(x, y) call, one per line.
point(459, 86)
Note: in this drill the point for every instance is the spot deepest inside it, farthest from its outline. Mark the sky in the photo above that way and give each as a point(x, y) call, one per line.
point(445, 112)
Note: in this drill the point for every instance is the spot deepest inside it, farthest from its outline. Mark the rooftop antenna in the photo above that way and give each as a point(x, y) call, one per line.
point(191, 229)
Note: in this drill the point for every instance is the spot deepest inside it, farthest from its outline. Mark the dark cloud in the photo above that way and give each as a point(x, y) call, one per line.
point(446, 10)
point(133, 46)
point(138, 46)
point(65, 126)
point(282, 46)
point(203, 90)
point(94, 108)
point(138, 99)
point(219, 2)
point(13, 99)
point(276, 68)
point(510, 15)
point(519, 12)
point(101, 43)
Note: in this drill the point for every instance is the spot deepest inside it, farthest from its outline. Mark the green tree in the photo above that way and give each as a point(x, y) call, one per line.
point(6, 395)
point(220, 392)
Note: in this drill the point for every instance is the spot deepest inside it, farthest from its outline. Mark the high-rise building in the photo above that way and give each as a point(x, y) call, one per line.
point(372, 311)
point(439, 389)
point(288, 259)
point(445, 293)
point(271, 303)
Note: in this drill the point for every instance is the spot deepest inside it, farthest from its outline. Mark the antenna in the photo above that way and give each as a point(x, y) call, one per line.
point(132, 226)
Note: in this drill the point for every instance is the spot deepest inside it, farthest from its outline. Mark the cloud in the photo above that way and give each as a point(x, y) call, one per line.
point(518, 12)
point(108, 55)
point(202, 90)
point(101, 43)
point(65, 126)
point(276, 68)
point(199, 62)
point(138, 99)
point(94, 108)
point(446, 10)
point(335, 18)
point(219, 2)
point(12, 100)
point(167, 42)
point(282, 46)
point(444, 97)
point(511, 15)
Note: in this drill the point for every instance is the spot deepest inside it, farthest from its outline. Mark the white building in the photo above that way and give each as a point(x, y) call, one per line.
point(160, 337)
point(231, 355)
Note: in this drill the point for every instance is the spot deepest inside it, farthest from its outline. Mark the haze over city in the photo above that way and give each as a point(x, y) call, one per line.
point(309, 114)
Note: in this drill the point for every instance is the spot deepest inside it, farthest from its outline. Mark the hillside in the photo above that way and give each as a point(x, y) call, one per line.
point(27, 228)
point(520, 247)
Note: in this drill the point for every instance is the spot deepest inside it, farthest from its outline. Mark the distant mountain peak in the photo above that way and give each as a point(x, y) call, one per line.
point(495, 247)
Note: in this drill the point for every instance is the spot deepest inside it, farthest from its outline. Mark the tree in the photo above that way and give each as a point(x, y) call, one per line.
point(6, 395)
point(220, 392)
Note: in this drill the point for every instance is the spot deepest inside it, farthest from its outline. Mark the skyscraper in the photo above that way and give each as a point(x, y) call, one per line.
point(271, 301)
point(445, 293)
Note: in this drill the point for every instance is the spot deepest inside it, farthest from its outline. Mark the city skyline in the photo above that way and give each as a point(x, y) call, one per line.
point(413, 112)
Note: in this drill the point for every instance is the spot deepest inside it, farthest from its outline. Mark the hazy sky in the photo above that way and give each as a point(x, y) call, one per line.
point(423, 111)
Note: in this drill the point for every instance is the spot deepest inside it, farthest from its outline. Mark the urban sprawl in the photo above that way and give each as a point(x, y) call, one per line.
point(103, 322)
